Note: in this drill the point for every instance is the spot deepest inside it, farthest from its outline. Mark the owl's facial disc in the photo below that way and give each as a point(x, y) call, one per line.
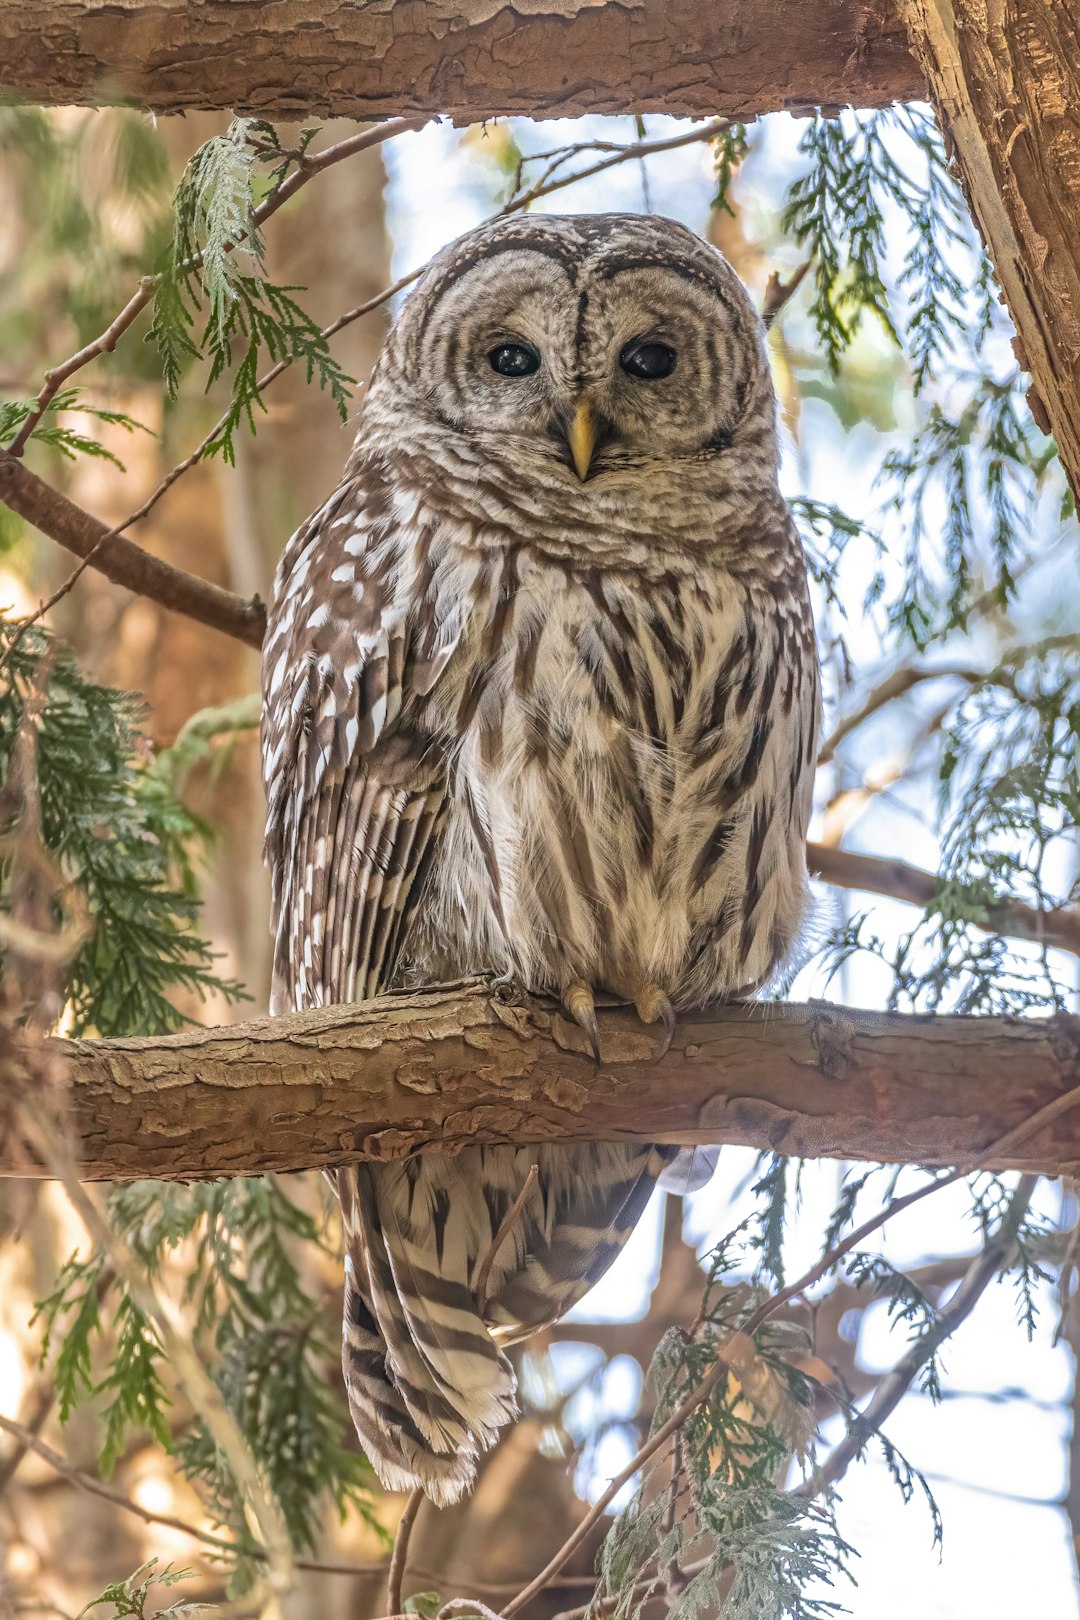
point(589, 350)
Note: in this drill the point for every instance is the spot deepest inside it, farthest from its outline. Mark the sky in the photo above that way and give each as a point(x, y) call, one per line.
point(998, 1467)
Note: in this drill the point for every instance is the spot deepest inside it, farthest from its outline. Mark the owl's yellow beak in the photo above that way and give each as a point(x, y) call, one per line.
point(582, 438)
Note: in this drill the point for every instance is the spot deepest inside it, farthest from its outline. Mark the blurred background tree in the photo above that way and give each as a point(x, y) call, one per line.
point(931, 506)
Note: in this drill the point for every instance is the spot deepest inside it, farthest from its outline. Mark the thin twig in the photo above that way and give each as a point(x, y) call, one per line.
point(29, 1440)
point(50, 601)
point(895, 685)
point(505, 1226)
point(701, 1392)
point(399, 1558)
point(621, 154)
point(906, 677)
point(894, 1386)
point(778, 293)
point(25, 1435)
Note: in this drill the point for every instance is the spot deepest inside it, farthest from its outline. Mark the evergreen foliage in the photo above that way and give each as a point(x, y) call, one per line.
point(217, 259)
point(61, 436)
point(129, 1598)
point(120, 836)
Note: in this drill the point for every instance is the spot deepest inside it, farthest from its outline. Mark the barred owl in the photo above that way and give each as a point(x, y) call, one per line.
point(540, 701)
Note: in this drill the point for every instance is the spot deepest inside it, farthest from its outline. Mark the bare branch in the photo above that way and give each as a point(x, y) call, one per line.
point(124, 562)
point(847, 869)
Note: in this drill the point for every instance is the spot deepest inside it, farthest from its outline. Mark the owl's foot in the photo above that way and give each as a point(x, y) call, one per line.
point(577, 998)
point(654, 1007)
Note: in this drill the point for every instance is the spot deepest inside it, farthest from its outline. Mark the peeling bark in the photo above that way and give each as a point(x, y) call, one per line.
point(456, 1064)
point(468, 59)
point(1005, 78)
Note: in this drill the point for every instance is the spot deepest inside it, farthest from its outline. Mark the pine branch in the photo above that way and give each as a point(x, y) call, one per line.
point(265, 1514)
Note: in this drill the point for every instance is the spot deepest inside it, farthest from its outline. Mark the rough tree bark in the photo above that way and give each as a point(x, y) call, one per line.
point(1005, 78)
point(456, 1064)
point(468, 59)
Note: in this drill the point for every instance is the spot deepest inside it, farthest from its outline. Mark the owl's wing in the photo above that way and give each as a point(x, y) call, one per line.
point(358, 630)
point(361, 626)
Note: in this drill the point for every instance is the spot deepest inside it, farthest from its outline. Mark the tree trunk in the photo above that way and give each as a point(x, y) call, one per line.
point(453, 1065)
point(1005, 78)
point(469, 59)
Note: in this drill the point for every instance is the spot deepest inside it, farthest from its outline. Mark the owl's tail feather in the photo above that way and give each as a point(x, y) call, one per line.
point(444, 1341)
point(429, 1385)
point(401, 1455)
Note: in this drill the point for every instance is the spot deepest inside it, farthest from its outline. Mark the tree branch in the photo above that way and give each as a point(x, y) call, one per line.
point(470, 59)
point(124, 562)
point(847, 869)
point(458, 1064)
point(127, 564)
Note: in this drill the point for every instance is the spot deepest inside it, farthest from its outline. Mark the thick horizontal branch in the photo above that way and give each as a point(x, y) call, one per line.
point(124, 562)
point(457, 1064)
point(470, 59)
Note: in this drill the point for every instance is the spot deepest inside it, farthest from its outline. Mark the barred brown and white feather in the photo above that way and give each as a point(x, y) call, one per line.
point(525, 722)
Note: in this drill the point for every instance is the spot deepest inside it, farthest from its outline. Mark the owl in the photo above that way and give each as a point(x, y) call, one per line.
point(541, 703)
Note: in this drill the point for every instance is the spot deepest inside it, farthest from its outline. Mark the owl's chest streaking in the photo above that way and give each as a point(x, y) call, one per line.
point(629, 772)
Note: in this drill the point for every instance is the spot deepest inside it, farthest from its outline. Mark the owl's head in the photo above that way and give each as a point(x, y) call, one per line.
point(596, 344)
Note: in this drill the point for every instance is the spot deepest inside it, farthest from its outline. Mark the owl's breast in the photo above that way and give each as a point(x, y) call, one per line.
point(622, 797)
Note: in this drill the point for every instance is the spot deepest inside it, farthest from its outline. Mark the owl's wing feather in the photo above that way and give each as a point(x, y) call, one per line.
point(356, 635)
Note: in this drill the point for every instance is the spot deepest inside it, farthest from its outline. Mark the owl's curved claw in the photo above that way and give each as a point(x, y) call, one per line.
point(577, 998)
point(654, 1007)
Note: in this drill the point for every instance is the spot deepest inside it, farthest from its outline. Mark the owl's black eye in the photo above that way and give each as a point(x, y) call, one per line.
point(514, 360)
point(648, 361)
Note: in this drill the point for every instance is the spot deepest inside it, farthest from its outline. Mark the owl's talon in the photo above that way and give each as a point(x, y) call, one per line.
point(578, 1000)
point(654, 1007)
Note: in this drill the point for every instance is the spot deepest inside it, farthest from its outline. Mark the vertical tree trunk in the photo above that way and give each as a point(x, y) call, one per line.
point(1005, 78)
